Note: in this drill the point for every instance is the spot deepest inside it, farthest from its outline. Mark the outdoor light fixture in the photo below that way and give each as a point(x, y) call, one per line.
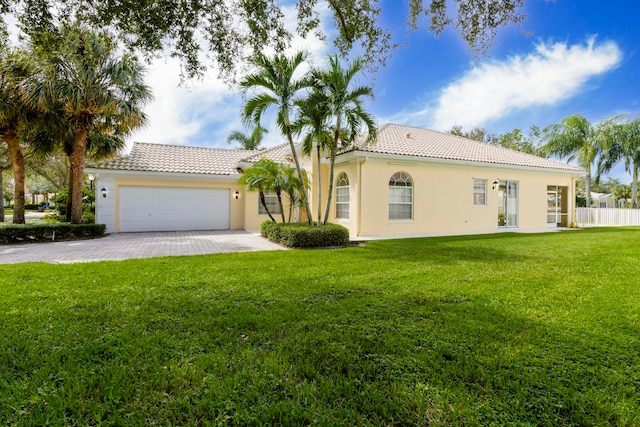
point(237, 194)
point(91, 178)
point(495, 184)
point(104, 192)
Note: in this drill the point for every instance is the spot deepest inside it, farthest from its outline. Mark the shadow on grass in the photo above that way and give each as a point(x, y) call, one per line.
point(363, 359)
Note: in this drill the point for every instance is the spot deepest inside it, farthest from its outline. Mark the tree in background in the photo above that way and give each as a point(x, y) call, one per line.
point(622, 192)
point(231, 32)
point(93, 89)
point(623, 144)
point(248, 142)
point(15, 117)
point(275, 86)
point(476, 133)
point(5, 164)
point(514, 140)
point(576, 138)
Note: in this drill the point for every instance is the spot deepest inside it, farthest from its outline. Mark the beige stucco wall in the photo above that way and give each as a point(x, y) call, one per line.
point(443, 197)
point(236, 207)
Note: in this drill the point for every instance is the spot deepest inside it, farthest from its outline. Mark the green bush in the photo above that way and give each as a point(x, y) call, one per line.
point(303, 235)
point(88, 218)
point(20, 233)
point(60, 200)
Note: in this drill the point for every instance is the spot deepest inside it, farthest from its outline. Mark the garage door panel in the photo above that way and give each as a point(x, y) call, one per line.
point(173, 208)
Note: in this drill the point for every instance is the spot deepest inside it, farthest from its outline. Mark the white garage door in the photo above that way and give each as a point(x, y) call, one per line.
point(173, 209)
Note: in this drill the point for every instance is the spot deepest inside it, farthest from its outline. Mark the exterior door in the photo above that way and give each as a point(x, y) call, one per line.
point(554, 206)
point(144, 208)
point(508, 204)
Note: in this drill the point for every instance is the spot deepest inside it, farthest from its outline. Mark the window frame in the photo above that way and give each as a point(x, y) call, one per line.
point(484, 192)
point(274, 202)
point(396, 178)
point(342, 177)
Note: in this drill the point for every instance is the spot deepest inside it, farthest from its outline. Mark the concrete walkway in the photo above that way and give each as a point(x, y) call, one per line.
point(137, 245)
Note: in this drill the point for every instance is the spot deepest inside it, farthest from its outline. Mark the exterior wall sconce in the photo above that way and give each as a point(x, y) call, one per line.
point(104, 192)
point(91, 177)
point(495, 184)
point(237, 194)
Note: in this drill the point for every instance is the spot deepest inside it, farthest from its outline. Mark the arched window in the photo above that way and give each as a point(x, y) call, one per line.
point(400, 196)
point(342, 196)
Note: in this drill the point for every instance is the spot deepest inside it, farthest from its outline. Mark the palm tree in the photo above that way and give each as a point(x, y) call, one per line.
point(296, 191)
point(93, 88)
point(345, 106)
point(576, 138)
point(264, 176)
point(313, 117)
point(276, 88)
point(625, 145)
point(14, 118)
point(248, 142)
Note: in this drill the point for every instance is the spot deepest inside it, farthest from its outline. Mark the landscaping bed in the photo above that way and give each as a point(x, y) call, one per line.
point(48, 232)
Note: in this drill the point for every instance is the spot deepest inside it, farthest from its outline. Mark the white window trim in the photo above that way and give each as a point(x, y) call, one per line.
point(389, 187)
point(267, 196)
point(479, 205)
point(348, 202)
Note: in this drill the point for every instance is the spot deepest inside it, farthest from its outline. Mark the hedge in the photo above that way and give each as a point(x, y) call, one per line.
point(20, 233)
point(303, 235)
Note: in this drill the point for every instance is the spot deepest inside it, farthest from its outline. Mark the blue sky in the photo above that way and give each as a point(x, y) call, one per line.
point(582, 57)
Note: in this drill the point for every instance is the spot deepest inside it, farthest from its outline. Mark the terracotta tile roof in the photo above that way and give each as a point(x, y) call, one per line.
point(149, 157)
point(418, 142)
point(279, 154)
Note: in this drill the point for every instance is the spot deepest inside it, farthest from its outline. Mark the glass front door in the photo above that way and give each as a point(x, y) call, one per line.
point(508, 204)
point(554, 206)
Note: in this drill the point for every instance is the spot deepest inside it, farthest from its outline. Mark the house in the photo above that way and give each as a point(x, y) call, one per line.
point(410, 181)
point(601, 200)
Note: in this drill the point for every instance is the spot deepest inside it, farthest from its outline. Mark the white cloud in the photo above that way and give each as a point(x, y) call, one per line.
point(203, 112)
point(495, 89)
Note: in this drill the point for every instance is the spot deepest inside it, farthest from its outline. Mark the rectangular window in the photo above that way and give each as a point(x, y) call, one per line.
point(400, 202)
point(479, 192)
point(342, 202)
point(271, 199)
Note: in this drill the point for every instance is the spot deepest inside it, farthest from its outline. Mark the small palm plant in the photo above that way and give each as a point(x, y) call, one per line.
point(248, 142)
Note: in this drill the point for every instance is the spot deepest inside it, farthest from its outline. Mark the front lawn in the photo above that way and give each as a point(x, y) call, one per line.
point(482, 330)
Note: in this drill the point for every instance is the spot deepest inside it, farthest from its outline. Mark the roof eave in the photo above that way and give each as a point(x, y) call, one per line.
point(232, 177)
point(406, 158)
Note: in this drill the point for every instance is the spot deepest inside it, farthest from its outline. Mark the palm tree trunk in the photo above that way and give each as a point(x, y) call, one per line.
point(264, 204)
point(67, 214)
point(319, 177)
point(332, 162)
point(17, 162)
point(1, 196)
point(330, 189)
point(634, 187)
point(279, 194)
point(587, 185)
point(297, 163)
point(77, 168)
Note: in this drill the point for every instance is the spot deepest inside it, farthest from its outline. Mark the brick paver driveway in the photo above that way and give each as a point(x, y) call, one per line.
point(137, 245)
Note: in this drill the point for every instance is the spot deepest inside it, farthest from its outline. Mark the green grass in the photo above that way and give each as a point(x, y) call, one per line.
point(482, 330)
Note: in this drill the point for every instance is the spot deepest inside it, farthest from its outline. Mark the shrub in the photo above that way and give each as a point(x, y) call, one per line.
point(20, 233)
point(88, 218)
point(303, 235)
point(60, 200)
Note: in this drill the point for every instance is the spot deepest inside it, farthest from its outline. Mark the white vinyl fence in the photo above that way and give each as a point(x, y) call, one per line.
point(605, 216)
